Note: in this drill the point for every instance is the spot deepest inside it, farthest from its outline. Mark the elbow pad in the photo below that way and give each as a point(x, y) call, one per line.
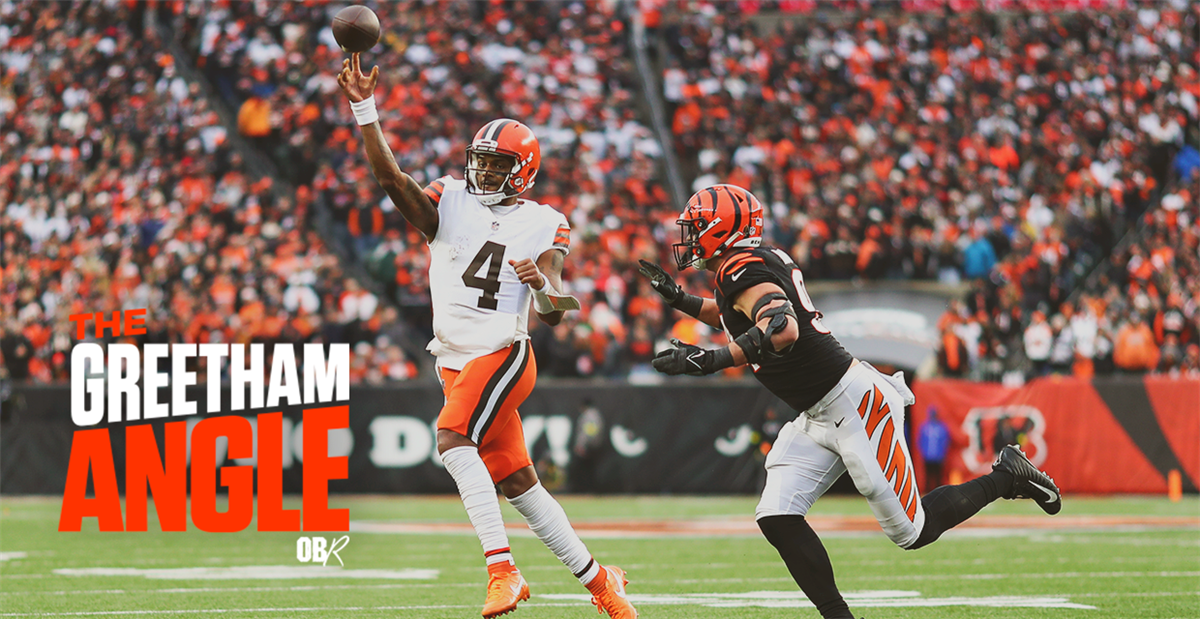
point(751, 344)
point(756, 343)
point(779, 322)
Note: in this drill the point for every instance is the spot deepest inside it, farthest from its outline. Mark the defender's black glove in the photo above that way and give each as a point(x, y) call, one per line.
point(665, 286)
point(661, 281)
point(691, 360)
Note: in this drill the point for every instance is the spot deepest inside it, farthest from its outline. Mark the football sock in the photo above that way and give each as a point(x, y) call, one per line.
point(805, 557)
point(479, 497)
point(549, 522)
point(948, 506)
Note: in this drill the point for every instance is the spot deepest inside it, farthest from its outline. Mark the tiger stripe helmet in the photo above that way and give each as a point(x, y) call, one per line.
point(504, 136)
point(716, 219)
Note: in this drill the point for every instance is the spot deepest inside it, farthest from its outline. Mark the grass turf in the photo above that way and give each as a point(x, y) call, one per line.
point(1131, 571)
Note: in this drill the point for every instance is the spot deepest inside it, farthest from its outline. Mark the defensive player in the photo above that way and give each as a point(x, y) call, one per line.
point(492, 253)
point(850, 415)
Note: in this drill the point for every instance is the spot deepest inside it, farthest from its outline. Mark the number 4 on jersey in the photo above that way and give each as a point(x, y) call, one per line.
point(493, 254)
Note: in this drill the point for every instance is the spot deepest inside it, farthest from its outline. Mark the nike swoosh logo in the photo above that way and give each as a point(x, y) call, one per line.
point(737, 275)
point(838, 424)
point(1049, 493)
point(692, 359)
point(619, 589)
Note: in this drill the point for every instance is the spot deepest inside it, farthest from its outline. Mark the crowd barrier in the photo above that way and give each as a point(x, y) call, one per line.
point(692, 437)
point(1116, 435)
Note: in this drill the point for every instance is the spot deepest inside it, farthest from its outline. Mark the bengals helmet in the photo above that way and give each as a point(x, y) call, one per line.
point(503, 137)
point(714, 220)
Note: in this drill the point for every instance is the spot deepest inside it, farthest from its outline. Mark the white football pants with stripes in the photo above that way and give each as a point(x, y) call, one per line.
point(857, 427)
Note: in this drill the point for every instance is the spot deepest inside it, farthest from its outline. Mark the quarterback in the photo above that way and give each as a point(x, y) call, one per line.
point(850, 415)
point(492, 254)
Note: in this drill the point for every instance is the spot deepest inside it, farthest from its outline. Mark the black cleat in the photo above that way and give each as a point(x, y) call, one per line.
point(1028, 481)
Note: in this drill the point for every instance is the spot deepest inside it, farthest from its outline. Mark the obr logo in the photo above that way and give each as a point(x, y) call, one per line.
point(314, 549)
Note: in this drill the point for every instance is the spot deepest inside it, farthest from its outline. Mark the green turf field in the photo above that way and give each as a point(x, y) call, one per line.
point(1126, 557)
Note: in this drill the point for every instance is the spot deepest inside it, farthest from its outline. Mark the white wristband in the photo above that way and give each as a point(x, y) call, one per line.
point(541, 300)
point(364, 111)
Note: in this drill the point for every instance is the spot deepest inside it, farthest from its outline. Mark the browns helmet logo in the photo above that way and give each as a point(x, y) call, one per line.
point(511, 139)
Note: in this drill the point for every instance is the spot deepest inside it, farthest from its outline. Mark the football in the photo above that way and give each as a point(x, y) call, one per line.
point(356, 29)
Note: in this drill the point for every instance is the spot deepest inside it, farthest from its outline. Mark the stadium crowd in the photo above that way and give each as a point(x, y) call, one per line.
point(1011, 150)
point(119, 191)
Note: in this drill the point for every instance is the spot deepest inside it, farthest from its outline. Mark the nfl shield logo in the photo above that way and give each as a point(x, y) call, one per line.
point(495, 225)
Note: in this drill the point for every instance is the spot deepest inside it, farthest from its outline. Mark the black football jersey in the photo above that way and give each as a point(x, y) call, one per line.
point(817, 361)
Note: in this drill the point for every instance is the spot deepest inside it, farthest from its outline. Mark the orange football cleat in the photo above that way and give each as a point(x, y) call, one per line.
point(608, 594)
point(506, 587)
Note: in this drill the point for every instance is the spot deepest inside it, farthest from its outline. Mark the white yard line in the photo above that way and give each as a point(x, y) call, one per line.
point(693, 581)
point(920, 577)
point(200, 611)
point(252, 572)
point(245, 589)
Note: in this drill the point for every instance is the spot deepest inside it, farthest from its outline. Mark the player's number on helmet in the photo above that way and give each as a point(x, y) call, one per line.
point(493, 254)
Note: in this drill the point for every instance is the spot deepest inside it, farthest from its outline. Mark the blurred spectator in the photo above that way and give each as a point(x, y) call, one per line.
point(254, 120)
point(1039, 341)
point(1171, 355)
point(16, 350)
point(1191, 360)
point(1062, 352)
point(979, 257)
point(933, 440)
point(1134, 350)
point(590, 438)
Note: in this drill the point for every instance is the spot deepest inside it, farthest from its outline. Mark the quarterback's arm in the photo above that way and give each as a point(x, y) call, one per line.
point(416, 207)
point(544, 276)
point(400, 187)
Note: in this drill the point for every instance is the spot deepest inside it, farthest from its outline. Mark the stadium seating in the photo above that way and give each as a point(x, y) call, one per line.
point(120, 191)
point(1009, 149)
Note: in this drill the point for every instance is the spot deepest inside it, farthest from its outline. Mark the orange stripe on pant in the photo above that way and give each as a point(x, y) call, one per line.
point(481, 404)
point(899, 472)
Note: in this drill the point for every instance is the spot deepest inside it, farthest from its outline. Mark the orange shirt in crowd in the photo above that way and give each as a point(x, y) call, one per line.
point(254, 118)
point(1134, 349)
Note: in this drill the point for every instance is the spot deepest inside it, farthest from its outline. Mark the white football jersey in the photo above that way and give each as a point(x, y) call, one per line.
point(479, 305)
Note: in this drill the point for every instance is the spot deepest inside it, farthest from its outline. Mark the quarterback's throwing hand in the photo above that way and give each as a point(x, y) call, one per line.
point(692, 360)
point(354, 83)
point(660, 280)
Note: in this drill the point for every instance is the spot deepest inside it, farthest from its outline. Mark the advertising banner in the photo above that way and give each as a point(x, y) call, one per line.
point(1108, 435)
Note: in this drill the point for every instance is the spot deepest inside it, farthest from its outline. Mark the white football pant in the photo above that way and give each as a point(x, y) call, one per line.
point(857, 427)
